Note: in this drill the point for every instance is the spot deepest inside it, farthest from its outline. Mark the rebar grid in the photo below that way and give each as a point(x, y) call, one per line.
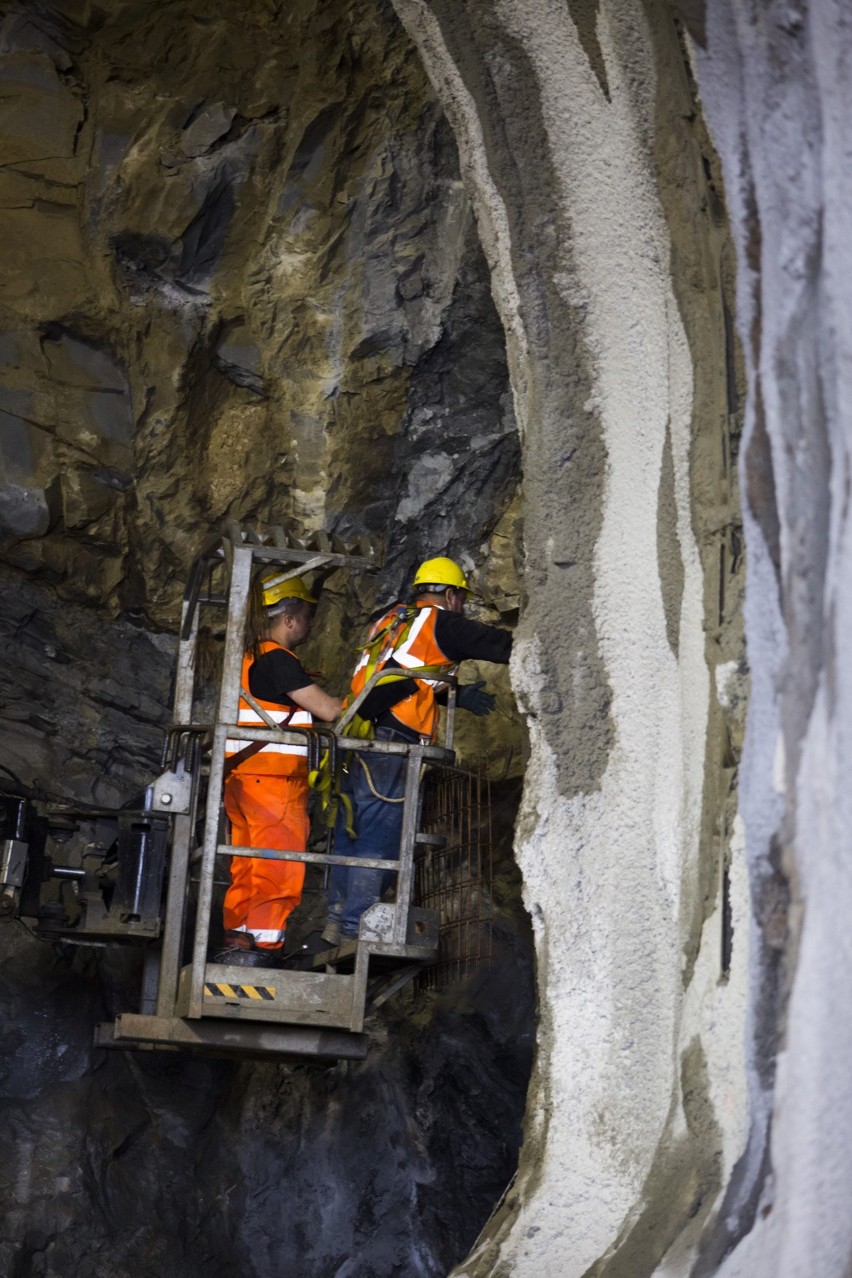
point(455, 877)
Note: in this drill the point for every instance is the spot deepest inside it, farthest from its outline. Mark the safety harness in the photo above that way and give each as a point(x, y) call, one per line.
point(327, 777)
point(254, 747)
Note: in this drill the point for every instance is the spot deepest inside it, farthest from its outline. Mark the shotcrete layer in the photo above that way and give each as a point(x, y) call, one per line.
point(636, 1110)
point(776, 81)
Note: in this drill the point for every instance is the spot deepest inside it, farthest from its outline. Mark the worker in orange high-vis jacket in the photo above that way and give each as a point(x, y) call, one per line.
point(266, 789)
point(433, 632)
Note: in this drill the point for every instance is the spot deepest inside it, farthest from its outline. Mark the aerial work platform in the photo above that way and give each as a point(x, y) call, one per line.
point(149, 877)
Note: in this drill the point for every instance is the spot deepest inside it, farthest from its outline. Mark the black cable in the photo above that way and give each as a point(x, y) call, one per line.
point(13, 775)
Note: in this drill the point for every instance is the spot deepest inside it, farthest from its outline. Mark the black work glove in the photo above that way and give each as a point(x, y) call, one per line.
point(471, 697)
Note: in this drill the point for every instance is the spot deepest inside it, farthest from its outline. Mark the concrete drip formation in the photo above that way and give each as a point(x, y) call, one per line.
point(655, 1080)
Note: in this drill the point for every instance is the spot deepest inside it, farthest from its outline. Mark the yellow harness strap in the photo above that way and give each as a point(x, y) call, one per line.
point(327, 782)
point(328, 785)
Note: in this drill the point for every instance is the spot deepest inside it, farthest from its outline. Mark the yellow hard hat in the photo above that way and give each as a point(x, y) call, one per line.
point(441, 572)
point(277, 586)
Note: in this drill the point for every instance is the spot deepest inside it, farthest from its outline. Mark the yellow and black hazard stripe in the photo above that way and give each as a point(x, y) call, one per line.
point(221, 989)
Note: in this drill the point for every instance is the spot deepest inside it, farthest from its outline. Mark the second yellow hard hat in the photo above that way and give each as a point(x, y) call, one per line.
point(276, 586)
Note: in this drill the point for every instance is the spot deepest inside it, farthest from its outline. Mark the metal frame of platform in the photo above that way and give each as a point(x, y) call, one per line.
point(207, 1007)
point(288, 1043)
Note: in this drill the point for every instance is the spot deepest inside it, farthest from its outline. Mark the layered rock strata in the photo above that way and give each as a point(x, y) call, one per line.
point(240, 296)
point(243, 281)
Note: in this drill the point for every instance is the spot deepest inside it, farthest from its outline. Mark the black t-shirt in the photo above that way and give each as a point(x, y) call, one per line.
point(459, 639)
point(275, 674)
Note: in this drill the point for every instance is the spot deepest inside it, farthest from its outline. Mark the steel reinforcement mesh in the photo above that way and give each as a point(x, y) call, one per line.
point(453, 876)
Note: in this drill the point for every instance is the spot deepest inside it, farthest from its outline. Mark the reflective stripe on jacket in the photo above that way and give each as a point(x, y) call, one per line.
point(275, 758)
point(410, 645)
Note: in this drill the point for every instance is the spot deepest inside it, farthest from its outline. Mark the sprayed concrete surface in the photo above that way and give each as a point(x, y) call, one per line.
point(637, 1111)
point(776, 83)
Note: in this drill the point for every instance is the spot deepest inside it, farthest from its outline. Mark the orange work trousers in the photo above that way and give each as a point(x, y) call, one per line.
point(265, 812)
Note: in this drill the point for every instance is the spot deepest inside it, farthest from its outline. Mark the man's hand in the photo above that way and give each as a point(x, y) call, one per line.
point(471, 697)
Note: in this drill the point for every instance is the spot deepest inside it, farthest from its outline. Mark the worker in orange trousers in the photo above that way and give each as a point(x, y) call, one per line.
point(266, 787)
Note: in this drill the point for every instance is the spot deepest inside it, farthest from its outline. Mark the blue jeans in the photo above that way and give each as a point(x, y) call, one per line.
point(378, 828)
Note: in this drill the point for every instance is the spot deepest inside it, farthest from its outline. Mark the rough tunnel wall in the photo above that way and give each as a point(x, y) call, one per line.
point(257, 265)
point(242, 280)
point(776, 81)
point(254, 295)
point(598, 202)
point(141, 1166)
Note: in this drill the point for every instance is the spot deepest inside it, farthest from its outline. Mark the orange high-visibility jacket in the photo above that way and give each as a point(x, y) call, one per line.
point(275, 759)
point(409, 646)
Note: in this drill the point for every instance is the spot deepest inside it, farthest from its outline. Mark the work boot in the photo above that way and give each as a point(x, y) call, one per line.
point(240, 950)
point(234, 939)
point(233, 957)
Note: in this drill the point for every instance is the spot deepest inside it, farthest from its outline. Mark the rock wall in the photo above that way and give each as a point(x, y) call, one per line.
point(267, 294)
point(130, 1164)
point(223, 313)
point(229, 295)
point(243, 281)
